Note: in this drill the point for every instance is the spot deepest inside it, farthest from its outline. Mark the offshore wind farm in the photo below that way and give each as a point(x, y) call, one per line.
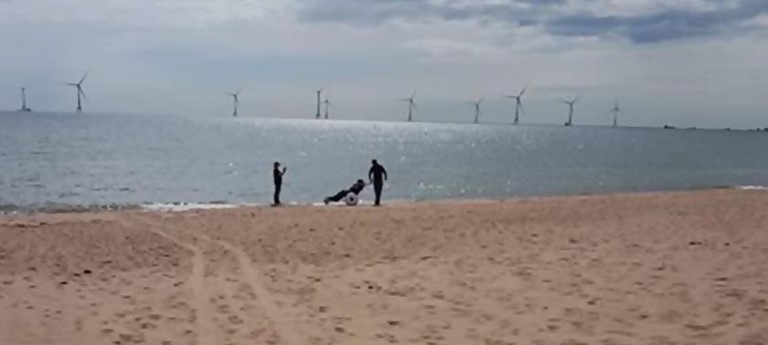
point(323, 105)
point(494, 147)
point(518, 136)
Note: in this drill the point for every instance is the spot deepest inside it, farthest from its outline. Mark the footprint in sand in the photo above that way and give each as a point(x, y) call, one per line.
point(203, 303)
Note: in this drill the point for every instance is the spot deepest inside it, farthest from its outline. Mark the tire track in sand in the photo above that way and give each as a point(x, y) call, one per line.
point(206, 329)
point(251, 274)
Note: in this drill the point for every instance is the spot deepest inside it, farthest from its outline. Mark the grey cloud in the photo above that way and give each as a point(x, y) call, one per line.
point(379, 11)
point(660, 26)
point(549, 14)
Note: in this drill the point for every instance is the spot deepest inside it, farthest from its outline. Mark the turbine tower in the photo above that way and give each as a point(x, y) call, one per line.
point(80, 92)
point(616, 111)
point(236, 101)
point(570, 112)
point(24, 107)
point(518, 104)
point(319, 102)
point(411, 105)
point(477, 109)
point(327, 103)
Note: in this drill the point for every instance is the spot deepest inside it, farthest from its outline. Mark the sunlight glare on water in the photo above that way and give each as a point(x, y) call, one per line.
point(108, 159)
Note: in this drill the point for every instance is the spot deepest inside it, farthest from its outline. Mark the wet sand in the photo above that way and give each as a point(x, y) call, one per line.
point(661, 268)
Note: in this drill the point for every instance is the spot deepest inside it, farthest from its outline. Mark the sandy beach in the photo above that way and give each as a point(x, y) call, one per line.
point(658, 268)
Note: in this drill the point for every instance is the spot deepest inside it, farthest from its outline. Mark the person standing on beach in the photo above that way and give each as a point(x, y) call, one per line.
point(277, 176)
point(377, 175)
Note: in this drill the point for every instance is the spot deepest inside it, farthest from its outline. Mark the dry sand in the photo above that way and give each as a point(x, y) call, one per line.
point(669, 268)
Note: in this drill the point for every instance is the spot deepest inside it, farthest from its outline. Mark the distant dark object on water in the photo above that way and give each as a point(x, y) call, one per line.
point(24, 108)
point(692, 128)
point(669, 127)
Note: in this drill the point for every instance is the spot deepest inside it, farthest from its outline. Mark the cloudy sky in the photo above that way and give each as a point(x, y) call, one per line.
point(679, 62)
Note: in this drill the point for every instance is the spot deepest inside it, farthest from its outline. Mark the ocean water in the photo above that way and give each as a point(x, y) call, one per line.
point(59, 161)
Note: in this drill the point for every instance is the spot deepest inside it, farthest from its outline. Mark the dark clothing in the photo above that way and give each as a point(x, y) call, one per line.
point(356, 188)
point(377, 187)
point(277, 175)
point(276, 199)
point(338, 197)
point(377, 174)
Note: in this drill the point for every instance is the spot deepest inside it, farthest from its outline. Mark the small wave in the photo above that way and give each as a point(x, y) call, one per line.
point(12, 209)
point(58, 208)
point(752, 187)
point(188, 206)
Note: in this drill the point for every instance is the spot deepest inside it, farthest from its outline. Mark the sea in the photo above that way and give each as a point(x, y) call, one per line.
point(65, 162)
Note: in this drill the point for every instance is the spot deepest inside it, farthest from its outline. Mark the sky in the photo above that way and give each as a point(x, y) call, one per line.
point(685, 63)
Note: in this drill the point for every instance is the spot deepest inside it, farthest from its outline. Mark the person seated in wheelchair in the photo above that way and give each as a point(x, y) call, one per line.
point(356, 188)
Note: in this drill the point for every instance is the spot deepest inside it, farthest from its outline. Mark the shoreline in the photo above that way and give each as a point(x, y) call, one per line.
point(62, 208)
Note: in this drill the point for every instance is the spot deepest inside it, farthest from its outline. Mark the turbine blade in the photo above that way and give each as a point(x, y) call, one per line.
point(523, 92)
point(413, 95)
point(83, 78)
point(85, 98)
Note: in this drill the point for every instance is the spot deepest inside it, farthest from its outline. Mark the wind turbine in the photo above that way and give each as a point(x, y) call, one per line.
point(80, 92)
point(236, 100)
point(24, 107)
point(477, 109)
point(518, 104)
point(411, 104)
point(616, 111)
point(319, 102)
point(327, 103)
point(570, 112)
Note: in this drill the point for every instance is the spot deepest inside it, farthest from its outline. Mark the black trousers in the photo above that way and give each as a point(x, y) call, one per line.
point(278, 188)
point(340, 195)
point(377, 187)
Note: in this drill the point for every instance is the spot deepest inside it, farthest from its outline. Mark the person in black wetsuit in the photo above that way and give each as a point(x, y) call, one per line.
point(356, 188)
point(277, 176)
point(377, 175)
